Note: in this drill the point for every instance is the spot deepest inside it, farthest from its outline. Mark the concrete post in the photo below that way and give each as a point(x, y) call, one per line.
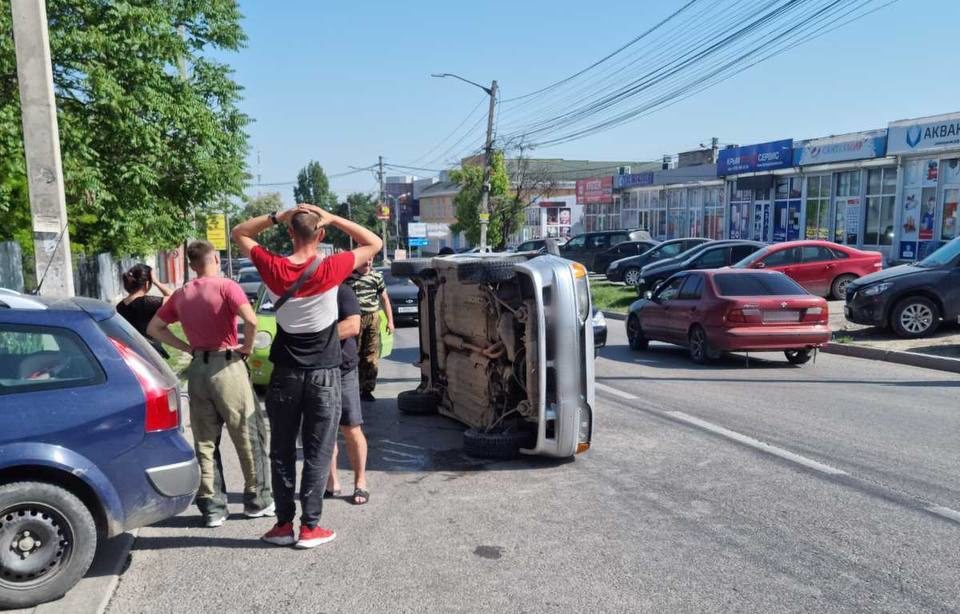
point(41, 143)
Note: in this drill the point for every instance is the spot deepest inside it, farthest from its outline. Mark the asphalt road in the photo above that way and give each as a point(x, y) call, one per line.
point(767, 488)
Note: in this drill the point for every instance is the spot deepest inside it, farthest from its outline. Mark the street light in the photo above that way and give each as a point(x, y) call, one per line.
point(485, 198)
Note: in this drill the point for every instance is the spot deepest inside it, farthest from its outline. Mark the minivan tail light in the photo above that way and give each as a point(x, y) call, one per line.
point(163, 404)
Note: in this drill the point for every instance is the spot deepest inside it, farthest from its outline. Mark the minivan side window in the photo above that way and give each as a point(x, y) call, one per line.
point(599, 242)
point(618, 237)
point(44, 358)
point(576, 242)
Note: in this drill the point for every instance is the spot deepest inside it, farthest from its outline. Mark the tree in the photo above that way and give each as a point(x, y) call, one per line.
point(527, 181)
point(276, 239)
point(467, 201)
point(147, 151)
point(313, 187)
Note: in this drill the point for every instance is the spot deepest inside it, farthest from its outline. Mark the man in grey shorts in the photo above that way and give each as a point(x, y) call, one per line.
point(351, 416)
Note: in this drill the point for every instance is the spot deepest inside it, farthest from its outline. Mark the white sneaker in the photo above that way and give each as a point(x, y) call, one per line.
point(213, 522)
point(270, 510)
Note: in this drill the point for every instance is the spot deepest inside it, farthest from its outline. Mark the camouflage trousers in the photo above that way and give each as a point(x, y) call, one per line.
point(368, 349)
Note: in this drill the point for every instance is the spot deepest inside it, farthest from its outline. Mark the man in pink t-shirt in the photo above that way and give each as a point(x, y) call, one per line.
point(220, 390)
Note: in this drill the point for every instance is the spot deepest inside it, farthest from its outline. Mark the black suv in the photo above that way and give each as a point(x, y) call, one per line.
point(584, 248)
point(912, 298)
point(628, 269)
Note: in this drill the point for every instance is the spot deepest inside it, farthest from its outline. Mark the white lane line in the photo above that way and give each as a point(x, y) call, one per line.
point(944, 512)
point(757, 444)
point(614, 391)
point(405, 445)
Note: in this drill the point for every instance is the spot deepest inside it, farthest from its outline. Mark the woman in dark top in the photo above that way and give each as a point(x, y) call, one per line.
point(138, 307)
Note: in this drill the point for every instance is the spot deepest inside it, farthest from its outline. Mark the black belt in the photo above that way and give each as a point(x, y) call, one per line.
point(228, 354)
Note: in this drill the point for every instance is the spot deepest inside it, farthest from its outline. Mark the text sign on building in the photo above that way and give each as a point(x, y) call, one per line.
point(416, 229)
point(858, 146)
point(632, 180)
point(924, 134)
point(217, 231)
point(595, 191)
point(752, 158)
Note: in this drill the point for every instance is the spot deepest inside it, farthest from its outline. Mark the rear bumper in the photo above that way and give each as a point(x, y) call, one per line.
point(175, 480)
point(750, 338)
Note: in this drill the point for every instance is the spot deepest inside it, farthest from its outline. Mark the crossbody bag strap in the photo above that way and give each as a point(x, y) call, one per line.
point(307, 274)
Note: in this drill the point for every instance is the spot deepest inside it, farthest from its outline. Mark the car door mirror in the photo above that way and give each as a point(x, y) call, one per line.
point(759, 265)
point(649, 296)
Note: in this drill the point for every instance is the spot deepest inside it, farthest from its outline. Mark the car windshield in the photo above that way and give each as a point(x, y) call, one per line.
point(756, 284)
point(943, 256)
point(249, 276)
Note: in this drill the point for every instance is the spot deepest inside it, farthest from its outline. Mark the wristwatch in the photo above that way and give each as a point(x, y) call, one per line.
point(273, 217)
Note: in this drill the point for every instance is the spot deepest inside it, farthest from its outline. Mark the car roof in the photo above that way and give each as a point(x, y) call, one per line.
point(248, 269)
point(98, 310)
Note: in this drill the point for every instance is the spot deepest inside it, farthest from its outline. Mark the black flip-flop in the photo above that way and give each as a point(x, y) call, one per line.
point(358, 493)
point(330, 494)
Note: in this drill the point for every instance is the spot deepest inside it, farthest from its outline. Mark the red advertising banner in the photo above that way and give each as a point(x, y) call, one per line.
point(595, 191)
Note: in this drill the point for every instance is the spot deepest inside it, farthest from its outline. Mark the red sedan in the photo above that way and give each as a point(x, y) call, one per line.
point(726, 310)
point(822, 267)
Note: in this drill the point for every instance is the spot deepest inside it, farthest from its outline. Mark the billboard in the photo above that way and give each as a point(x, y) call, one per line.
point(631, 180)
point(596, 190)
point(752, 158)
point(924, 134)
point(857, 146)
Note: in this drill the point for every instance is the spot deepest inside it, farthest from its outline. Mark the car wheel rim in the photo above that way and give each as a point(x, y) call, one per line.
point(916, 318)
point(631, 277)
point(842, 288)
point(696, 345)
point(36, 541)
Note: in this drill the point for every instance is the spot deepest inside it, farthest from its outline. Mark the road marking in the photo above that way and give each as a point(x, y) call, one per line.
point(944, 512)
point(405, 445)
point(757, 444)
point(614, 391)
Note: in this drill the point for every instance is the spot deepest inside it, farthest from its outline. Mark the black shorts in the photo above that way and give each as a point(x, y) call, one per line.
point(351, 413)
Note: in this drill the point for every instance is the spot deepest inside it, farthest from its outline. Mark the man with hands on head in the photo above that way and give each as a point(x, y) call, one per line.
point(220, 392)
point(304, 392)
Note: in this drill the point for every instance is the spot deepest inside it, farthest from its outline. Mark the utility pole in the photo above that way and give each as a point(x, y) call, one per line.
point(383, 222)
point(41, 146)
point(488, 153)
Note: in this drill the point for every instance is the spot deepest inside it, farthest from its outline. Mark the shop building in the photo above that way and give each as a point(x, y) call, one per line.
point(928, 187)
point(552, 217)
point(687, 201)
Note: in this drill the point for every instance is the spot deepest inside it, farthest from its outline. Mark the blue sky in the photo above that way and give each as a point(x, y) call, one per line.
point(344, 82)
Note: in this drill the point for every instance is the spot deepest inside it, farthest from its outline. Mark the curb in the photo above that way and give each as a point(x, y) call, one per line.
point(925, 361)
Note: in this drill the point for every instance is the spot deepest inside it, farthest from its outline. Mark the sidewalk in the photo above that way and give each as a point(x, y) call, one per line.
point(939, 351)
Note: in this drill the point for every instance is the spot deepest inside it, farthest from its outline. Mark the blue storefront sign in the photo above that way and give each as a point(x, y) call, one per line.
point(924, 134)
point(752, 158)
point(418, 241)
point(632, 180)
point(857, 146)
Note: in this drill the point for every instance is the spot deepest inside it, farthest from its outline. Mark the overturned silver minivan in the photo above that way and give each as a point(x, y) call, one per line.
point(506, 348)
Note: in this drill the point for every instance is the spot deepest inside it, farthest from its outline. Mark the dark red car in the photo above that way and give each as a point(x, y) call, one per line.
point(822, 267)
point(729, 310)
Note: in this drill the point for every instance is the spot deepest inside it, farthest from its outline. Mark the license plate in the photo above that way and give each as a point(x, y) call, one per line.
point(410, 309)
point(781, 316)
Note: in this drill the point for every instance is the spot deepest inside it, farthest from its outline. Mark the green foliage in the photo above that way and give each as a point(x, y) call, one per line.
point(467, 202)
point(313, 187)
point(360, 208)
point(607, 296)
point(276, 239)
point(145, 150)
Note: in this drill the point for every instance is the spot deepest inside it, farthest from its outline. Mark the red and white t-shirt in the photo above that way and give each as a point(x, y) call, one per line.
point(307, 323)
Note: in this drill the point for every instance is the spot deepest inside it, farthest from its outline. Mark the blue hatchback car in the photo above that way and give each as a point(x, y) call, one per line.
point(92, 442)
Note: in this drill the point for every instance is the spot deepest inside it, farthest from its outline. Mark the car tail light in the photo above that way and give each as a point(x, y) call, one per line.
point(163, 403)
point(816, 314)
point(744, 315)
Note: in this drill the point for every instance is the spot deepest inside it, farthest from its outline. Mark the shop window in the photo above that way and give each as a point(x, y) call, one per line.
point(818, 208)
point(881, 190)
point(846, 227)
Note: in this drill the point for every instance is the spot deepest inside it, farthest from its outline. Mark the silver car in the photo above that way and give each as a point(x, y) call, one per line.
point(249, 280)
point(506, 344)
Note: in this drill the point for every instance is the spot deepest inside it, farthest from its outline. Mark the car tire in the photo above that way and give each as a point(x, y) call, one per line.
point(838, 289)
point(798, 357)
point(699, 346)
point(504, 445)
point(414, 267)
point(416, 403)
point(914, 317)
point(488, 271)
point(61, 536)
point(635, 334)
point(631, 276)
